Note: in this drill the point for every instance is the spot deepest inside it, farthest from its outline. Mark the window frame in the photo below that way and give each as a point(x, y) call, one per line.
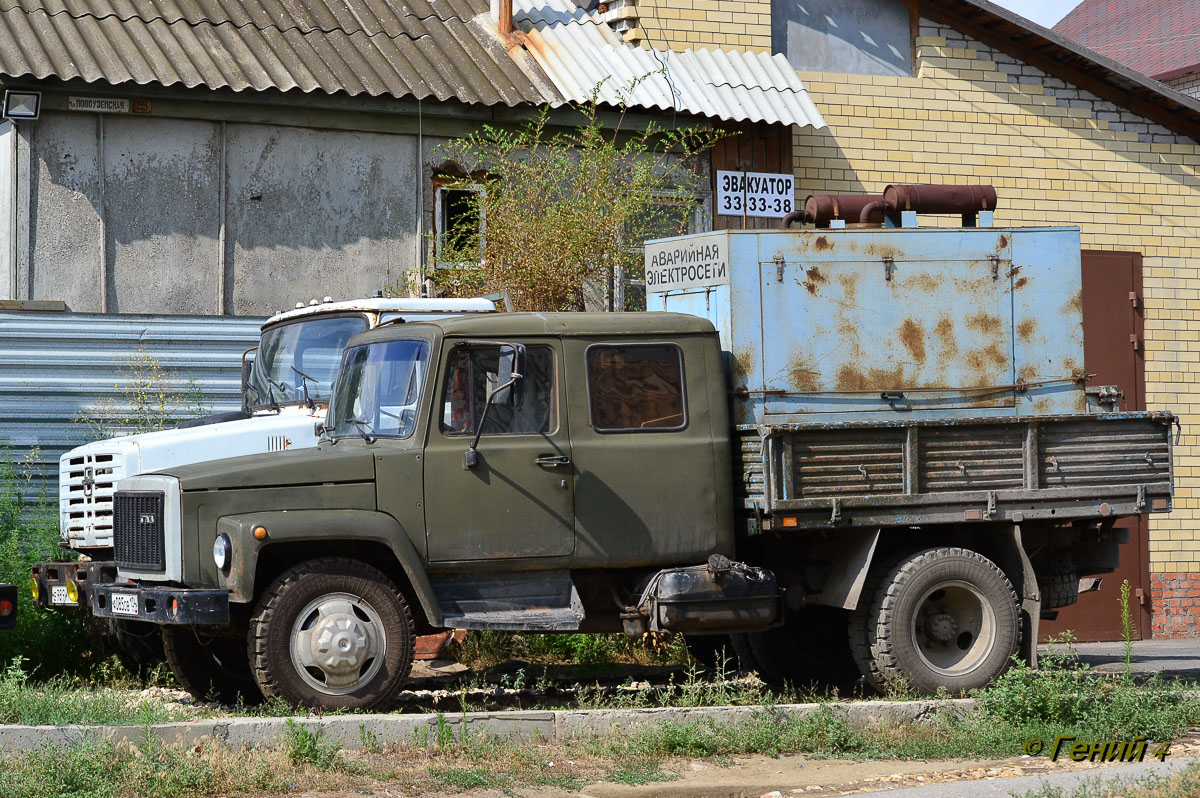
point(555, 383)
point(442, 186)
point(687, 416)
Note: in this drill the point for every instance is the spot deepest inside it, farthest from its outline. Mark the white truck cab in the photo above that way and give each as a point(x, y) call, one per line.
point(285, 393)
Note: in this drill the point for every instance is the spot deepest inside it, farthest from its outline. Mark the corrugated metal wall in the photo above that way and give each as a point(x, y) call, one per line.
point(57, 367)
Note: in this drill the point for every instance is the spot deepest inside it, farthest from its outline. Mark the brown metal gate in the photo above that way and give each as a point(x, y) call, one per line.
point(1113, 326)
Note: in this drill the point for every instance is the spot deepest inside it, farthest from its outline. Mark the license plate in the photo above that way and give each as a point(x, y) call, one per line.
point(124, 604)
point(58, 595)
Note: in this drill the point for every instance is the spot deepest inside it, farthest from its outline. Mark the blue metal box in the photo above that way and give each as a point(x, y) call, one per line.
point(885, 323)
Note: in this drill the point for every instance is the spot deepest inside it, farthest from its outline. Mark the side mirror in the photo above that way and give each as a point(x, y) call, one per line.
point(247, 367)
point(510, 376)
point(319, 428)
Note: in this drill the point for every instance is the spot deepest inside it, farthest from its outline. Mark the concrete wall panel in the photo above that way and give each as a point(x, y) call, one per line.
point(162, 214)
point(311, 213)
point(64, 215)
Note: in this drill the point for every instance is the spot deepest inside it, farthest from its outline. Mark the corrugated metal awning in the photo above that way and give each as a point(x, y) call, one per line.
point(582, 55)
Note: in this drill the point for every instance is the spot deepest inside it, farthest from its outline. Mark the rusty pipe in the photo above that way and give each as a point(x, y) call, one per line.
point(939, 199)
point(875, 208)
point(821, 209)
point(505, 21)
point(794, 216)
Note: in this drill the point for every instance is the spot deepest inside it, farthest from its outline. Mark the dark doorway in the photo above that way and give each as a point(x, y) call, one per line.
point(1113, 327)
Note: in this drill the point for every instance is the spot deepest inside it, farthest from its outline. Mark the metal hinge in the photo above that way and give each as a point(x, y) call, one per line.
point(1133, 339)
point(1133, 298)
point(835, 513)
point(889, 265)
point(995, 267)
point(990, 512)
point(1140, 504)
point(1141, 595)
point(779, 268)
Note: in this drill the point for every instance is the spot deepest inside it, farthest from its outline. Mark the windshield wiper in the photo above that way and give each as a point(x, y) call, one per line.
point(359, 424)
point(304, 378)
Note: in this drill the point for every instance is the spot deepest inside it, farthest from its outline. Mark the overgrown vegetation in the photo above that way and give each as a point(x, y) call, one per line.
point(484, 649)
point(51, 642)
point(554, 214)
point(148, 399)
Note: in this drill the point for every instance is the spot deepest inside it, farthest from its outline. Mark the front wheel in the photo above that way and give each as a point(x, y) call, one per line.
point(332, 633)
point(209, 666)
point(942, 617)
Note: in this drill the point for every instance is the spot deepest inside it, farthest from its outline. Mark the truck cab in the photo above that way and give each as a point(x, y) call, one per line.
point(524, 472)
point(287, 381)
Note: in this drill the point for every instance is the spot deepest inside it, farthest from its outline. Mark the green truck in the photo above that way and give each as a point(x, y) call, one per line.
point(590, 473)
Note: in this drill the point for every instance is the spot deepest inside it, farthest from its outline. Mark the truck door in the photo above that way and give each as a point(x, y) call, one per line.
point(652, 486)
point(519, 501)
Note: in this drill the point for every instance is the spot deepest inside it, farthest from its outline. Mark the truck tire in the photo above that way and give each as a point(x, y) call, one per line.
point(137, 645)
point(712, 651)
point(213, 668)
point(332, 633)
point(1059, 589)
point(810, 650)
point(942, 617)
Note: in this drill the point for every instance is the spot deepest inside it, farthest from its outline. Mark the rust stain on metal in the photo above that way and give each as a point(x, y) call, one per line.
point(1003, 242)
point(1076, 303)
point(849, 288)
point(925, 282)
point(944, 330)
point(814, 278)
point(802, 376)
point(1021, 283)
point(1026, 329)
point(1028, 373)
point(743, 365)
point(913, 338)
point(851, 379)
point(822, 243)
point(984, 323)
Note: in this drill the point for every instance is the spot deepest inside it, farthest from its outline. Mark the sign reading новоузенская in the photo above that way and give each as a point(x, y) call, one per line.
point(693, 262)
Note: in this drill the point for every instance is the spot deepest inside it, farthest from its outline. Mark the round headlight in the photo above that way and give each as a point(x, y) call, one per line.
point(222, 551)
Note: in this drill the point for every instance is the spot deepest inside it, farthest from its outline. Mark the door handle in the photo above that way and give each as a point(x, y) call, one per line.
point(553, 460)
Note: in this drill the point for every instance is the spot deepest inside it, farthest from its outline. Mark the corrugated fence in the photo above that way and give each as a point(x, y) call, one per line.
point(56, 368)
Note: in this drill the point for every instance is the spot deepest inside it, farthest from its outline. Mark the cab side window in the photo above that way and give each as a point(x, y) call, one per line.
point(471, 376)
point(636, 388)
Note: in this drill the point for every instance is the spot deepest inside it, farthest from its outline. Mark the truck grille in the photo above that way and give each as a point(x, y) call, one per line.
point(138, 530)
point(86, 489)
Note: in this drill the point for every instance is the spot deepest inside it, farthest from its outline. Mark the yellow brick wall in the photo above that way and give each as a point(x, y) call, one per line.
point(707, 24)
point(1057, 155)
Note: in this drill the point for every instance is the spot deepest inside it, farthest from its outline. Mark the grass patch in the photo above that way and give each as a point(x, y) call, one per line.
point(62, 700)
point(483, 649)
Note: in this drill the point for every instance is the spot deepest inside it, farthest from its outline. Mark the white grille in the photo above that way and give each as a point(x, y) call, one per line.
point(86, 484)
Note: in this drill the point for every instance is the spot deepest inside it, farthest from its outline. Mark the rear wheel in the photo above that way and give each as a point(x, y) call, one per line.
point(711, 651)
point(810, 650)
point(210, 668)
point(943, 617)
point(334, 634)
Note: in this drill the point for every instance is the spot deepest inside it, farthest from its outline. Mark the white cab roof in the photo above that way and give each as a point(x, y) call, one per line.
point(388, 305)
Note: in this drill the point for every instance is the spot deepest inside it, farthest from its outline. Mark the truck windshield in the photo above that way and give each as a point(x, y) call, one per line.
point(378, 390)
point(292, 354)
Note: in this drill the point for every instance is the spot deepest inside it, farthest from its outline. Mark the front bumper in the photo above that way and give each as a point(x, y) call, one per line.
point(52, 579)
point(164, 605)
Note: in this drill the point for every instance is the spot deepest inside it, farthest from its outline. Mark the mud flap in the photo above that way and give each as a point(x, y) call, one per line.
point(1011, 556)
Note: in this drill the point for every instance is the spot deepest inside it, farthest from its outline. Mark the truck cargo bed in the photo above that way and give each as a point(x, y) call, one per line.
point(925, 471)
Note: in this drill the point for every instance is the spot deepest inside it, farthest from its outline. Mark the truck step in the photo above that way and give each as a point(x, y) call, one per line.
point(533, 601)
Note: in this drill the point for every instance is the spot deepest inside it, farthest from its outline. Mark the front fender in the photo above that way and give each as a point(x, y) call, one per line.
point(321, 526)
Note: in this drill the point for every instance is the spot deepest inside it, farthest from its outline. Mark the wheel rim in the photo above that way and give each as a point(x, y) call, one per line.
point(338, 643)
point(954, 628)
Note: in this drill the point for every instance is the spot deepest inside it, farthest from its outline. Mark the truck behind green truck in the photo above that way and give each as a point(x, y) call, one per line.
point(783, 464)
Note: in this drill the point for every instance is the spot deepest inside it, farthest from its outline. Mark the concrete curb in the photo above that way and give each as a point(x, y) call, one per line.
point(352, 730)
